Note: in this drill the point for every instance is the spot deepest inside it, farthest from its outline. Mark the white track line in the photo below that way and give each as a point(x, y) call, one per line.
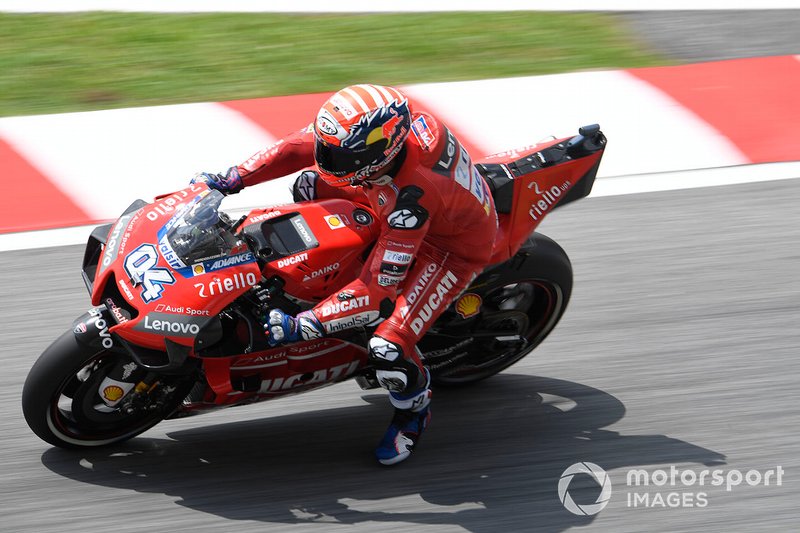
point(609, 186)
point(370, 6)
point(648, 131)
point(693, 179)
point(101, 158)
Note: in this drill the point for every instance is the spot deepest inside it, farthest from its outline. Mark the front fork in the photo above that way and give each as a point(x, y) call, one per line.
point(128, 386)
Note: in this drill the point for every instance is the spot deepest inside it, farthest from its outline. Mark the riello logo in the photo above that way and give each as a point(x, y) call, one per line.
point(547, 199)
point(221, 285)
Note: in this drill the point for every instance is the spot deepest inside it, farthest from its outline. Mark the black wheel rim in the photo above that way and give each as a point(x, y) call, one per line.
point(77, 414)
point(522, 314)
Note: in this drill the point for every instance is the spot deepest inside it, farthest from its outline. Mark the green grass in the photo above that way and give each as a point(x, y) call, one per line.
point(72, 62)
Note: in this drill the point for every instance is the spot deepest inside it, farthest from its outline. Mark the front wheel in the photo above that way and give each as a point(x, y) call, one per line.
point(62, 405)
point(521, 301)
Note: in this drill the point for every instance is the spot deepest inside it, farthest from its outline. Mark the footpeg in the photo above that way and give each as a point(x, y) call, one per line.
point(367, 381)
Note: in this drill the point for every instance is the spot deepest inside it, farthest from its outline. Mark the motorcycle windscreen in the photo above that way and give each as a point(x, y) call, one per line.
point(197, 234)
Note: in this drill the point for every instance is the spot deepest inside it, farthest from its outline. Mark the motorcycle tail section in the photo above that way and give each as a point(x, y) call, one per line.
point(529, 183)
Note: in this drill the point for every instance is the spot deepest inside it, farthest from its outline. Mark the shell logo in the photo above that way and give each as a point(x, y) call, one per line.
point(198, 269)
point(468, 305)
point(334, 221)
point(112, 393)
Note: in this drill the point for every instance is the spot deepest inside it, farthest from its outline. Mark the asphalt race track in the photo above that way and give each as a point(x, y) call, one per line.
point(680, 348)
point(695, 36)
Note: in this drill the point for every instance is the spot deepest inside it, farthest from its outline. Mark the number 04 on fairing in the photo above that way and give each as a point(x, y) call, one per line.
point(179, 291)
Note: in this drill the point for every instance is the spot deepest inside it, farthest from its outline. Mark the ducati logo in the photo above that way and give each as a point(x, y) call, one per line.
point(435, 300)
point(318, 377)
point(347, 304)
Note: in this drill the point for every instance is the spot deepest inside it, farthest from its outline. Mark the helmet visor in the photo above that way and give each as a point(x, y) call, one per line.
point(338, 161)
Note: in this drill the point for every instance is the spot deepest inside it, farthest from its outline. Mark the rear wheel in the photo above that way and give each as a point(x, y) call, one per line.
point(522, 300)
point(62, 406)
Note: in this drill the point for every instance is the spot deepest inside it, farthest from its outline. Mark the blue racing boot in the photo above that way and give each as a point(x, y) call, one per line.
point(412, 415)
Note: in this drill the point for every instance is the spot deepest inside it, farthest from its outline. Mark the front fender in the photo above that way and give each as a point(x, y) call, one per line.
point(92, 329)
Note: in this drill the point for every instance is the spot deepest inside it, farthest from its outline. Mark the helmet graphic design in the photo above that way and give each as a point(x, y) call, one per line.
point(358, 132)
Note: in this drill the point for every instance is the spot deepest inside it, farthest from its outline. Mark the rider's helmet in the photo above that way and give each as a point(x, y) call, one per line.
point(358, 132)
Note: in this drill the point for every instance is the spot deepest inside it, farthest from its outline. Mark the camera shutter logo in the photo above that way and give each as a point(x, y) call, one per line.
point(599, 475)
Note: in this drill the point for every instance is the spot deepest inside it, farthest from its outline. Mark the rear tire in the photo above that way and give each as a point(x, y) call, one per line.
point(523, 298)
point(60, 400)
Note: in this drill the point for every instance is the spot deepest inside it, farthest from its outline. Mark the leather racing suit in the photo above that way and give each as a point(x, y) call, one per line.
point(438, 225)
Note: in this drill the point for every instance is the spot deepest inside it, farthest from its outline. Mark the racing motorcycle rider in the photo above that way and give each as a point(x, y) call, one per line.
point(438, 225)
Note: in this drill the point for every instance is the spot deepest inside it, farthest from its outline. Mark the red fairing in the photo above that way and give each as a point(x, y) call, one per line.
point(535, 193)
point(344, 234)
point(170, 299)
point(281, 370)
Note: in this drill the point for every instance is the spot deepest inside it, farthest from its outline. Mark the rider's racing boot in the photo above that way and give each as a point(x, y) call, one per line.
point(412, 415)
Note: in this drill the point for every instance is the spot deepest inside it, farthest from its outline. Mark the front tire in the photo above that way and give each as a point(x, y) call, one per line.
point(62, 407)
point(522, 301)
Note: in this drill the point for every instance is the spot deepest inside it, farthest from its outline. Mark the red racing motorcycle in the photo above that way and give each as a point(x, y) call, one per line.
point(179, 290)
